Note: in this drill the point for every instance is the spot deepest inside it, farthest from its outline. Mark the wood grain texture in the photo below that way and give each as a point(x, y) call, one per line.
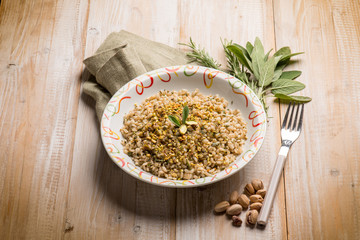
point(105, 202)
point(240, 21)
point(322, 174)
point(56, 180)
point(40, 57)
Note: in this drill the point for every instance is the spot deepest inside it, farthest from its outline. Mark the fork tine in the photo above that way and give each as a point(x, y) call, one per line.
point(301, 118)
point(291, 116)
point(286, 116)
point(296, 118)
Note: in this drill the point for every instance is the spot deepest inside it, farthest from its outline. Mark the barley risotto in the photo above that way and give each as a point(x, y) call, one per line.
point(207, 142)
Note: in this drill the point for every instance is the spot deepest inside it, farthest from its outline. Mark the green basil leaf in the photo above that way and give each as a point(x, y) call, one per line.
point(299, 99)
point(267, 71)
point(240, 55)
point(249, 47)
point(174, 120)
point(185, 114)
point(290, 74)
point(286, 86)
point(283, 52)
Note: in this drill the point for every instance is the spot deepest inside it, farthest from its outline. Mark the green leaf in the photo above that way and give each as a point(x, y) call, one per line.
point(277, 74)
point(290, 74)
point(283, 51)
point(282, 65)
point(174, 120)
point(257, 58)
point(245, 52)
point(299, 99)
point(249, 47)
point(267, 72)
point(267, 55)
point(240, 55)
point(259, 48)
point(286, 86)
point(287, 57)
point(185, 114)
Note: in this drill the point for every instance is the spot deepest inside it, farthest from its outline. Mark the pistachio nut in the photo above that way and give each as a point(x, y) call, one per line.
point(249, 189)
point(236, 221)
point(261, 192)
point(234, 209)
point(221, 206)
point(256, 206)
point(244, 201)
point(256, 198)
point(233, 197)
point(257, 184)
point(251, 217)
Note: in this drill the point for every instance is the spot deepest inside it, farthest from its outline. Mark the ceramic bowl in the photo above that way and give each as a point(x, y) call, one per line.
point(208, 81)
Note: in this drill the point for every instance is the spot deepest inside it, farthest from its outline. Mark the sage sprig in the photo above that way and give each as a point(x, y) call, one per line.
point(263, 73)
point(183, 123)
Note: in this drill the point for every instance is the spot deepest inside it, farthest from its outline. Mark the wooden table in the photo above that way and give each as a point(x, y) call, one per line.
point(56, 180)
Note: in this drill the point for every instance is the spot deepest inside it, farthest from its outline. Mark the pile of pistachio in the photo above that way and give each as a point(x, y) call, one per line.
point(251, 199)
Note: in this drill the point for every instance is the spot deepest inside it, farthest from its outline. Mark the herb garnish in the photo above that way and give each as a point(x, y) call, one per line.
point(182, 125)
point(262, 73)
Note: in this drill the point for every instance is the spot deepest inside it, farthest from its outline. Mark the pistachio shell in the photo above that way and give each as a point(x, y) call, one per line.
point(251, 217)
point(236, 220)
point(234, 210)
point(257, 184)
point(256, 206)
point(261, 192)
point(249, 189)
point(233, 197)
point(256, 198)
point(221, 206)
point(244, 201)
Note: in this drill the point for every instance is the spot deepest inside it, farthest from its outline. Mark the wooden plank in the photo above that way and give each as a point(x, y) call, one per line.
point(104, 202)
point(322, 173)
point(40, 61)
point(206, 22)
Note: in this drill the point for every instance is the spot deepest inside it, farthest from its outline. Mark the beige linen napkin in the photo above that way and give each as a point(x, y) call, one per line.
point(122, 57)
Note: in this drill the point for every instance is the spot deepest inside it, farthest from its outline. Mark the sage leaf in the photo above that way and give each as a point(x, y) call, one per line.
point(286, 86)
point(277, 74)
point(267, 72)
point(283, 52)
point(258, 47)
point(282, 65)
point(249, 47)
point(267, 55)
point(240, 56)
point(290, 74)
point(299, 99)
point(185, 114)
point(257, 58)
point(286, 58)
point(245, 52)
point(174, 120)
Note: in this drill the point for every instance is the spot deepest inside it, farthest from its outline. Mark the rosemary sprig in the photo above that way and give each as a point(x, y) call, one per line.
point(200, 56)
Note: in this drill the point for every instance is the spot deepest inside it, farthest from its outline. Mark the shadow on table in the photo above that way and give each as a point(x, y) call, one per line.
point(128, 195)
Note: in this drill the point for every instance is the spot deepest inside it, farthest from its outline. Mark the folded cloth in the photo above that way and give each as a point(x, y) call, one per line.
point(122, 57)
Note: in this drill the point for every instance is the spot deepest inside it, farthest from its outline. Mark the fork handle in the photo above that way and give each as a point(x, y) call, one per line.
point(274, 182)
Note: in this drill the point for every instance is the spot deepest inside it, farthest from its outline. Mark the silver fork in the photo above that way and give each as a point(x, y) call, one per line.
point(290, 131)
